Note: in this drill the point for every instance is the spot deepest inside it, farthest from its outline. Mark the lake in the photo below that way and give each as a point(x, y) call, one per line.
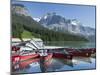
point(56, 64)
point(62, 65)
point(72, 44)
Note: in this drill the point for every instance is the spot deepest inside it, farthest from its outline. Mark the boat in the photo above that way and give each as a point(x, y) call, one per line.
point(22, 56)
point(28, 52)
point(69, 53)
point(81, 52)
point(89, 50)
point(24, 64)
point(64, 56)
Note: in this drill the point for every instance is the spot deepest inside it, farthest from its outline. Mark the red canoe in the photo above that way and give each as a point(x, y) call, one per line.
point(24, 61)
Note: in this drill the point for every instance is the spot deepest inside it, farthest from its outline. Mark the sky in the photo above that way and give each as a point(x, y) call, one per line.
point(84, 13)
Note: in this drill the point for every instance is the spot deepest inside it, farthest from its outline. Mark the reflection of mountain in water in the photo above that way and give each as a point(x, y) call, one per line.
point(59, 64)
point(84, 59)
point(67, 62)
point(55, 65)
point(72, 44)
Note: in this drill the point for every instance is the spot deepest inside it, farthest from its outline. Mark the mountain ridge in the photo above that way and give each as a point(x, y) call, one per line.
point(21, 22)
point(55, 21)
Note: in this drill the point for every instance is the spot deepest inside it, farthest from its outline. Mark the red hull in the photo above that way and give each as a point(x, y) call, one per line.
point(26, 57)
point(19, 58)
point(48, 57)
point(91, 50)
point(26, 60)
point(81, 52)
point(60, 55)
point(26, 63)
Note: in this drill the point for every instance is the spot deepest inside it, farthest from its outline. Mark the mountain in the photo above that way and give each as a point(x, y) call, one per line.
point(52, 20)
point(19, 9)
point(56, 22)
point(22, 21)
point(37, 19)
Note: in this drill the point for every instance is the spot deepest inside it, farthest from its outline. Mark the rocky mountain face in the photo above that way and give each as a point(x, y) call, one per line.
point(59, 23)
point(56, 22)
point(48, 27)
point(19, 9)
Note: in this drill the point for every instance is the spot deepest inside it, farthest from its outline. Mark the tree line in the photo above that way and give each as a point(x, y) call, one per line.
point(21, 23)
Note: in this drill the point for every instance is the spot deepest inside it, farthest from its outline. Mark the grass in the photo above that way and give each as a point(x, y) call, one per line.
point(27, 34)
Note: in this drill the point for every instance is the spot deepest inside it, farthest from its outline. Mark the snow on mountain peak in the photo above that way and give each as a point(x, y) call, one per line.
point(75, 22)
point(59, 23)
point(49, 15)
point(45, 17)
point(37, 19)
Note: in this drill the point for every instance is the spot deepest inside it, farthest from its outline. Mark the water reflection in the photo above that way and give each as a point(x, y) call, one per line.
point(55, 64)
point(71, 44)
point(74, 64)
point(59, 64)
